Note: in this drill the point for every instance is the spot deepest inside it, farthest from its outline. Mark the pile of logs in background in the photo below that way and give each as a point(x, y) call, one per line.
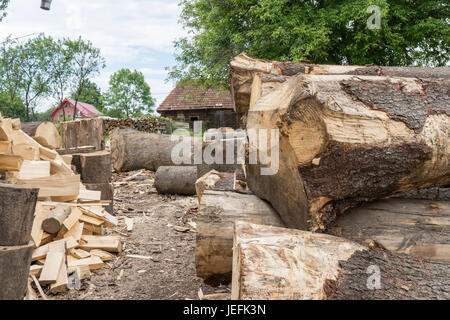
point(151, 125)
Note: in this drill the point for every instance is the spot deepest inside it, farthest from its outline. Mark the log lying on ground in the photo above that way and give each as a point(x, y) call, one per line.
point(416, 227)
point(243, 69)
point(135, 150)
point(17, 205)
point(56, 218)
point(217, 212)
point(176, 180)
point(272, 263)
point(435, 194)
point(80, 133)
point(345, 140)
point(45, 133)
point(15, 264)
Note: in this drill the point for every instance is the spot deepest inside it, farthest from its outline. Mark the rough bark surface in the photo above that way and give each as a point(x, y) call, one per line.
point(80, 133)
point(176, 180)
point(96, 167)
point(17, 205)
point(15, 264)
point(134, 150)
point(346, 140)
point(244, 68)
point(107, 190)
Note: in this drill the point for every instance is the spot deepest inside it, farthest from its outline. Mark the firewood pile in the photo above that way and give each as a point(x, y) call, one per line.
point(151, 125)
point(69, 225)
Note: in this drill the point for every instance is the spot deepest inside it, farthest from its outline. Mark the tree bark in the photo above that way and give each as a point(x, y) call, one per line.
point(214, 245)
point(15, 264)
point(135, 150)
point(17, 205)
point(416, 227)
point(272, 263)
point(96, 167)
point(81, 133)
point(45, 133)
point(107, 190)
point(176, 180)
point(243, 69)
point(56, 218)
point(345, 140)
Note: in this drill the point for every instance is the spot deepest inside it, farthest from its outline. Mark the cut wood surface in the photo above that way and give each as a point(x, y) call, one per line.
point(217, 212)
point(272, 263)
point(34, 169)
point(80, 133)
point(416, 227)
point(53, 223)
point(243, 69)
point(17, 206)
point(14, 269)
point(215, 181)
point(45, 133)
point(10, 162)
point(344, 140)
point(26, 151)
point(5, 147)
point(135, 150)
point(176, 180)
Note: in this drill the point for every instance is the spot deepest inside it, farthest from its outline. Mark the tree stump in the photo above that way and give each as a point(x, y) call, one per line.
point(80, 133)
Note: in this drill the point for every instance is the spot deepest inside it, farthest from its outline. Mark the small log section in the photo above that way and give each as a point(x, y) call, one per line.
point(176, 180)
point(96, 167)
point(135, 150)
point(345, 140)
point(80, 133)
point(15, 264)
point(272, 263)
point(214, 245)
point(17, 205)
point(243, 69)
point(55, 220)
point(416, 227)
point(44, 133)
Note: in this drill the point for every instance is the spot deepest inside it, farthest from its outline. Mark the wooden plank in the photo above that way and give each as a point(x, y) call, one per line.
point(76, 232)
point(40, 214)
point(107, 243)
point(5, 147)
point(79, 253)
point(10, 162)
point(94, 263)
point(94, 230)
point(89, 196)
point(62, 280)
point(83, 272)
point(42, 251)
point(102, 254)
point(91, 220)
point(73, 218)
point(26, 151)
point(36, 270)
point(54, 186)
point(100, 213)
point(52, 266)
point(34, 169)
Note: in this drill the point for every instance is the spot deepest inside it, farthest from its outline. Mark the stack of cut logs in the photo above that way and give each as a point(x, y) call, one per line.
point(42, 199)
point(151, 125)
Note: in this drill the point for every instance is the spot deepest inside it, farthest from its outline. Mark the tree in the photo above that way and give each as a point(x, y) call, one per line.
point(38, 56)
point(86, 62)
point(129, 94)
point(92, 95)
point(323, 31)
point(3, 6)
point(16, 110)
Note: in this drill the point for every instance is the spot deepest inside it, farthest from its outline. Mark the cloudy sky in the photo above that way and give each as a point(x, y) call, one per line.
point(135, 34)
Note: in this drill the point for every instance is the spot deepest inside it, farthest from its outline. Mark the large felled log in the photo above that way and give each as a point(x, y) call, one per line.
point(17, 205)
point(15, 264)
point(416, 227)
point(134, 150)
point(45, 133)
point(282, 264)
point(214, 245)
point(244, 68)
point(176, 180)
point(346, 140)
point(80, 133)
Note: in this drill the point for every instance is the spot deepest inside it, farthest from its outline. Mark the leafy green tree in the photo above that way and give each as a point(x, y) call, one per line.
point(86, 62)
point(92, 95)
point(16, 110)
point(129, 95)
point(3, 6)
point(412, 32)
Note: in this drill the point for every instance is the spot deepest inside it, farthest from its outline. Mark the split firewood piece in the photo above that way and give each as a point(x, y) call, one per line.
point(42, 251)
point(93, 262)
point(101, 214)
point(89, 196)
point(129, 222)
point(107, 243)
point(102, 254)
point(214, 180)
point(41, 292)
point(62, 280)
point(10, 162)
point(56, 219)
point(36, 270)
point(16, 124)
point(34, 169)
point(6, 130)
point(90, 229)
point(56, 186)
point(5, 147)
point(82, 271)
point(342, 141)
point(53, 263)
point(45, 133)
point(26, 151)
point(79, 254)
point(40, 214)
point(214, 244)
point(272, 263)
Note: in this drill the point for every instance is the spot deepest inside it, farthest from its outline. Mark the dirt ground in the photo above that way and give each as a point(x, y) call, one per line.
point(168, 272)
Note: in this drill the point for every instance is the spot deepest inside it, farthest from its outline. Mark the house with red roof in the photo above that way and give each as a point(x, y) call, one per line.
point(84, 110)
point(189, 104)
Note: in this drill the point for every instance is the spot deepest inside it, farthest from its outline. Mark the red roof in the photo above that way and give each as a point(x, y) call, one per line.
point(85, 109)
point(194, 98)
